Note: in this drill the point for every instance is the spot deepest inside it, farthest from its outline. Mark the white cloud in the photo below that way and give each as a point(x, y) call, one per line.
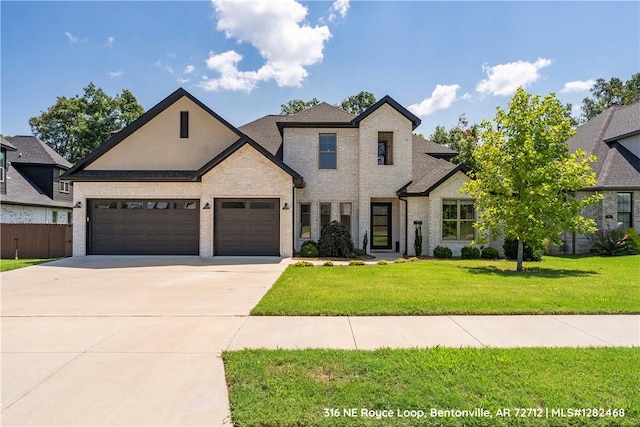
point(189, 69)
point(340, 7)
point(578, 86)
point(115, 74)
point(71, 37)
point(275, 30)
point(183, 81)
point(110, 41)
point(442, 97)
point(504, 79)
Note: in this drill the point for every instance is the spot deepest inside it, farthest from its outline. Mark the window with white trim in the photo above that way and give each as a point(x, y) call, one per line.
point(458, 217)
point(63, 186)
point(327, 151)
point(625, 219)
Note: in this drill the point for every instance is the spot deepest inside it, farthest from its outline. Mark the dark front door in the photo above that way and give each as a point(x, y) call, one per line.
point(247, 227)
point(380, 225)
point(143, 227)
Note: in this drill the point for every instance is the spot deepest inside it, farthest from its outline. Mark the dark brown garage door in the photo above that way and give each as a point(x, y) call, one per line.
point(247, 227)
point(143, 227)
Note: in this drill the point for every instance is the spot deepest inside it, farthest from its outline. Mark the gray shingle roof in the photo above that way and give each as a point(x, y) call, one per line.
point(30, 150)
point(6, 144)
point(428, 171)
point(322, 113)
point(265, 132)
point(615, 166)
point(21, 191)
point(421, 145)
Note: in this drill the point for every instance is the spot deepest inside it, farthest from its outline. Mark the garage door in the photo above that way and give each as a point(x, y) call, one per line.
point(247, 227)
point(143, 227)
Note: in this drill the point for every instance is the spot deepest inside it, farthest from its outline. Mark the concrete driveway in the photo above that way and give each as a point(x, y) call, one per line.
point(124, 340)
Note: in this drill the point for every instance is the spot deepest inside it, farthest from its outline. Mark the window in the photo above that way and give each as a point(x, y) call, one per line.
point(3, 159)
point(158, 205)
point(325, 214)
point(385, 145)
point(63, 186)
point(69, 218)
point(184, 124)
point(305, 220)
point(132, 205)
point(54, 217)
point(624, 210)
point(458, 217)
point(345, 215)
point(106, 204)
point(232, 205)
point(327, 151)
point(266, 204)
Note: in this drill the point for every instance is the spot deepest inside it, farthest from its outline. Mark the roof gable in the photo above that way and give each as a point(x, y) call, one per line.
point(415, 121)
point(130, 131)
point(30, 150)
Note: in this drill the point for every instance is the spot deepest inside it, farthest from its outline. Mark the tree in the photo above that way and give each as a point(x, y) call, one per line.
point(296, 105)
point(526, 178)
point(356, 104)
point(605, 94)
point(76, 126)
point(461, 138)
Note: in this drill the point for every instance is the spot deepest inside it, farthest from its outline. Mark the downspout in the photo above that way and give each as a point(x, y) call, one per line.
point(406, 225)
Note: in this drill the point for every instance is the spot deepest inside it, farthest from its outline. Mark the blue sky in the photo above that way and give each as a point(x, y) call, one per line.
point(244, 59)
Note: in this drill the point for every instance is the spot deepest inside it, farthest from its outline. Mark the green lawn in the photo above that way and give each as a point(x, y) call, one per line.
point(558, 285)
point(13, 264)
point(311, 387)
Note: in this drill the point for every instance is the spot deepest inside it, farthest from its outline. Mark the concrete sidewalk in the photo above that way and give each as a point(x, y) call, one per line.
point(366, 333)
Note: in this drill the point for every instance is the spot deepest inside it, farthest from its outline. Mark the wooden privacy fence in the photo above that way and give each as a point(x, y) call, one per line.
point(35, 240)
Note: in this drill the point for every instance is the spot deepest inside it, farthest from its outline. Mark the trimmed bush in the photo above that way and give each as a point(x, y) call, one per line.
point(383, 262)
point(303, 264)
point(400, 261)
point(355, 262)
point(413, 259)
point(359, 252)
point(634, 241)
point(309, 249)
point(610, 242)
point(442, 252)
point(469, 252)
point(327, 264)
point(489, 253)
point(335, 241)
point(511, 251)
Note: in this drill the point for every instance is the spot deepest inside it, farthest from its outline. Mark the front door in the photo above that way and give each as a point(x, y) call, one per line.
point(380, 225)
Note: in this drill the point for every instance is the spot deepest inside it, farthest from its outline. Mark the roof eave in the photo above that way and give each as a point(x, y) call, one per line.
point(415, 120)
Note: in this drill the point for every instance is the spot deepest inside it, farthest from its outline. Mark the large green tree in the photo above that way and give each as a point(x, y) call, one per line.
point(605, 94)
point(296, 105)
point(461, 138)
point(76, 126)
point(526, 178)
point(356, 104)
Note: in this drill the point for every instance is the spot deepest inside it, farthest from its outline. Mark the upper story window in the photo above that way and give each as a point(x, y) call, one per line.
point(63, 186)
point(625, 219)
point(3, 163)
point(184, 124)
point(385, 148)
point(327, 151)
point(458, 217)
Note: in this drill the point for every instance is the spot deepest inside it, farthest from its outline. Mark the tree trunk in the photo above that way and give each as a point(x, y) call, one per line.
point(520, 255)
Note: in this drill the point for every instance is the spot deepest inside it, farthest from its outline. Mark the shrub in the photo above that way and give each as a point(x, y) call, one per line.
point(469, 252)
point(400, 261)
point(383, 262)
point(610, 242)
point(359, 252)
point(634, 241)
point(489, 253)
point(413, 259)
point(417, 243)
point(303, 264)
point(327, 264)
point(309, 249)
point(511, 251)
point(355, 262)
point(335, 241)
point(442, 252)
point(365, 242)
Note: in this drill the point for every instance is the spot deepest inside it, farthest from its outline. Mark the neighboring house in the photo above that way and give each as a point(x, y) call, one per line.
point(32, 191)
point(182, 180)
point(614, 138)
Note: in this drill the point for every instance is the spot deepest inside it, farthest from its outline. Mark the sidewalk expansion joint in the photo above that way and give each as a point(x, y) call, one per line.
point(353, 335)
point(470, 334)
point(580, 330)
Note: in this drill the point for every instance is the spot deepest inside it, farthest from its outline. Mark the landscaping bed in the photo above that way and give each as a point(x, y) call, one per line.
point(540, 387)
point(557, 285)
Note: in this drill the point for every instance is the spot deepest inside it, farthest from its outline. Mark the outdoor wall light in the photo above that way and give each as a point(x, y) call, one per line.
point(78, 205)
point(285, 207)
point(206, 206)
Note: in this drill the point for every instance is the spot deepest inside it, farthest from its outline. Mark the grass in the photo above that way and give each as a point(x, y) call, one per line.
point(558, 285)
point(293, 388)
point(14, 264)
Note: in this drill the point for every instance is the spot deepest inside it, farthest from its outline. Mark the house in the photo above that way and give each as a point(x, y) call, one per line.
point(32, 191)
point(613, 137)
point(182, 180)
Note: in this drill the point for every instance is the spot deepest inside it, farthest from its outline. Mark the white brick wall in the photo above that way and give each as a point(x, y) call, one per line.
point(18, 214)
